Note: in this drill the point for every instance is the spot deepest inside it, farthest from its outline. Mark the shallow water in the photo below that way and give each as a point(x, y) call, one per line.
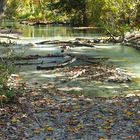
point(124, 57)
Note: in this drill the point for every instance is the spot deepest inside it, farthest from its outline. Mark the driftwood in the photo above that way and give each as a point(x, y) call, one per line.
point(82, 44)
point(74, 43)
point(133, 40)
point(33, 23)
point(129, 37)
point(57, 66)
point(8, 37)
point(10, 31)
point(53, 42)
point(74, 58)
point(79, 42)
point(30, 57)
point(85, 28)
point(28, 63)
point(89, 59)
point(93, 60)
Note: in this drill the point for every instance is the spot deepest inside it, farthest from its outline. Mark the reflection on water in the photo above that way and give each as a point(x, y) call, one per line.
point(49, 30)
point(124, 57)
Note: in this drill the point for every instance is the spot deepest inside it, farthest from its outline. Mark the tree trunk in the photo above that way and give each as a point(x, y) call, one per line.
point(2, 5)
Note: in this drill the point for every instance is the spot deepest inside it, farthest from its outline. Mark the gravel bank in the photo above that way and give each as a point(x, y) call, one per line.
point(52, 115)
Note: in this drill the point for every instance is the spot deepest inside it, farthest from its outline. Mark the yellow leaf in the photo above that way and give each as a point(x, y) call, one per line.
point(107, 127)
point(80, 125)
point(42, 129)
point(14, 120)
point(138, 122)
point(129, 113)
point(99, 117)
point(46, 126)
point(50, 129)
point(110, 121)
point(105, 123)
point(47, 138)
point(3, 98)
point(36, 131)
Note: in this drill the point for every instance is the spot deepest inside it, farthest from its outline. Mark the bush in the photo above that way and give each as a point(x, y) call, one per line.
point(7, 92)
point(8, 86)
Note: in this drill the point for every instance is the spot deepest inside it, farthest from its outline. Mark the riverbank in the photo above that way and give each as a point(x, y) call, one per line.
point(35, 23)
point(53, 115)
point(132, 39)
point(48, 113)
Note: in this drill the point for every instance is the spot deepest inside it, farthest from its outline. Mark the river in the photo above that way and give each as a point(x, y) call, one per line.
point(123, 57)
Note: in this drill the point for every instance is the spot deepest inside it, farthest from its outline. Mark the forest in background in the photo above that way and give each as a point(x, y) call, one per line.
point(115, 16)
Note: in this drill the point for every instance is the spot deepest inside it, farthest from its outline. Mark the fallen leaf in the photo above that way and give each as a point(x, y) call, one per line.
point(47, 138)
point(50, 129)
point(42, 129)
point(103, 138)
point(107, 127)
point(129, 113)
point(36, 131)
point(80, 125)
point(99, 117)
point(138, 122)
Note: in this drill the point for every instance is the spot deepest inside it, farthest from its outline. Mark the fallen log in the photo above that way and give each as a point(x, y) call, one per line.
point(28, 63)
point(39, 22)
point(10, 31)
point(134, 38)
point(89, 59)
point(94, 41)
point(53, 42)
point(67, 62)
point(85, 28)
point(8, 37)
point(93, 61)
point(89, 40)
point(68, 43)
point(82, 44)
point(30, 57)
point(130, 37)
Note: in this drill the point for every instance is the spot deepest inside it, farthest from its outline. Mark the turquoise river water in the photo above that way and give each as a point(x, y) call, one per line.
point(123, 57)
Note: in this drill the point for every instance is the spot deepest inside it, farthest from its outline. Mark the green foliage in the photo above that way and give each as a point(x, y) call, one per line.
point(9, 94)
point(137, 21)
point(75, 10)
point(4, 75)
point(6, 92)
point(6, 69)
point(116, 16)
point(94, 11)
point(2, 6)
point(12, 9)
